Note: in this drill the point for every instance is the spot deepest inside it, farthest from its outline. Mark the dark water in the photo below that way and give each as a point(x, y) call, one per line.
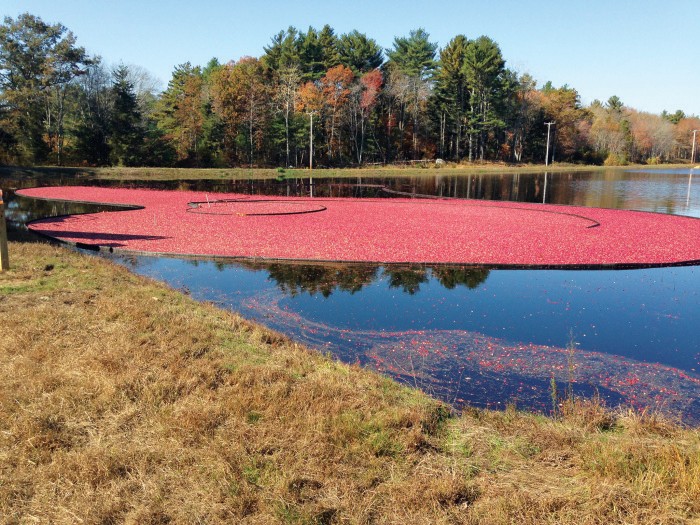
point(472, 335)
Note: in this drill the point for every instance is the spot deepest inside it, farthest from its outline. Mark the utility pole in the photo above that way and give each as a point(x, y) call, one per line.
point(4, 256)
point(311, 140)
point(692, 155)
point(546, 155)
point(311, 153)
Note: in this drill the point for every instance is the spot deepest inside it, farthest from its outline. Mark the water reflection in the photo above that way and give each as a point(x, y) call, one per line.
point(296, 278)
point(666, 191)
point(476, 336)
point(690, 186)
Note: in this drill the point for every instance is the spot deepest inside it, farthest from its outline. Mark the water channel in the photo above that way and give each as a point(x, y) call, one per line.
point(480, 336)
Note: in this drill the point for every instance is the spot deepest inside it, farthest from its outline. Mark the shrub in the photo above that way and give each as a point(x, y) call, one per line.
point(613, 159)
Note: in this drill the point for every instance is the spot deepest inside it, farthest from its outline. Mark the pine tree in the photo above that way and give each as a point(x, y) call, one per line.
point(414, 55)
point(329, 47)
point(284, 51)
point(126, 132)
point(414, 59)
point(483, 69)
point(359, 53)
point(450, 96)
point(181, 113)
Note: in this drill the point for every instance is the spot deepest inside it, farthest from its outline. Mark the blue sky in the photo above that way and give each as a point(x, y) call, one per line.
point(645, 51)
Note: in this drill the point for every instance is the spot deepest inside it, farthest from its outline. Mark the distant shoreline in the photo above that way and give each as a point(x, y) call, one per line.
point(164, 174)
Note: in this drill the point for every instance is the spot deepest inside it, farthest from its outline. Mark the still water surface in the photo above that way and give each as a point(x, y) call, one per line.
point(482, 336)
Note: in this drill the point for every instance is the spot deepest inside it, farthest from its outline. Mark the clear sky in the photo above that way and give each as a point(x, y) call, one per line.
point(644, 51)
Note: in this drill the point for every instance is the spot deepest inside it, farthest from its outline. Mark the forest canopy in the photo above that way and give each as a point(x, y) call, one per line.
point(366, 105)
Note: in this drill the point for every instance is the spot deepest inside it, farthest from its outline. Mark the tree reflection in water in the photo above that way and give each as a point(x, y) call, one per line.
point(319, 278)
point(294, 279)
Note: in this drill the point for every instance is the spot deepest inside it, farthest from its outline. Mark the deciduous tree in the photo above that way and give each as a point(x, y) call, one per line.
point(364, 97)
point(91, 123)
point(335, 88)
point(652, 137)
point(683, 137)
point(37, 63)
point(609, 134)
point(241, 93)
point(286, 86)
point(562, 106)
point(310, 100)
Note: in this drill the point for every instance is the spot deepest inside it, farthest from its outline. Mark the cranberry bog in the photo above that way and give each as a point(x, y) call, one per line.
point(428, 231)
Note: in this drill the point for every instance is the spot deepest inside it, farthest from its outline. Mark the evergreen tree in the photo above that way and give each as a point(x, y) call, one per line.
point(483, 69)
point(284, 51)
point(180, 113)
point(359, 53)
point(311, 56)
point(414, 55)
point(450, 96)
point(615, 104)
point(674, 118)
point(211, 150)
point(317, 52)
point(328, 42)
point(126, 132)
point(211, 66)
point(413, 58)
point(58, 104)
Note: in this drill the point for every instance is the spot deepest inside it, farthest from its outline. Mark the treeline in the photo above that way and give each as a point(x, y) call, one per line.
point(355, 102)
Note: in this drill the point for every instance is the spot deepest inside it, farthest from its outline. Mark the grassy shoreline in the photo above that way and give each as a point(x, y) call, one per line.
point(165, 174)
point(122, 400)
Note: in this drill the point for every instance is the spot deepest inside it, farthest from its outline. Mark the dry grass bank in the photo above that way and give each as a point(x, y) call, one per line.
point(122, 401)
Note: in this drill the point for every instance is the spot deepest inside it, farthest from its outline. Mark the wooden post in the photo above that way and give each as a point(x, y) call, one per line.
point(4, 256)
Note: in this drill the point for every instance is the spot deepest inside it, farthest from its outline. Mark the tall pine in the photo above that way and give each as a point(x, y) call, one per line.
point(126, 132)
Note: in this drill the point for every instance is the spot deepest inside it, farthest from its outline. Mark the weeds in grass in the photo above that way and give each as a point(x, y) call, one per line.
point(554, 395)
point(591, 413)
